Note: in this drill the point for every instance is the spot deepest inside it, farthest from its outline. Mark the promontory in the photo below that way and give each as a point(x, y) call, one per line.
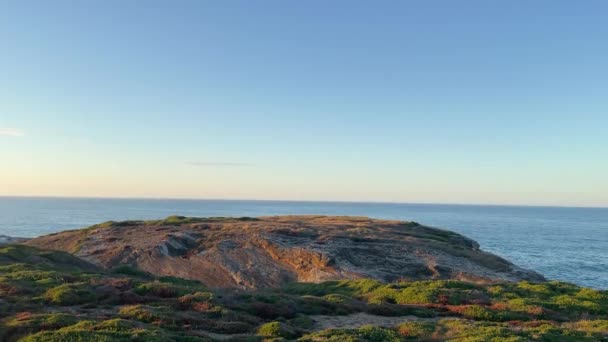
point(273, 251)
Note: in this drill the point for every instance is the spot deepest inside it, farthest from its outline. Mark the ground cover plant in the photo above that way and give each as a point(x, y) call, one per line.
point(54, 296)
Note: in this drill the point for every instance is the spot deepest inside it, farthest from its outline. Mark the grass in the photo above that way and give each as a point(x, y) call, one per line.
point(276, 329)
point(457, 330)
point(366, 333)
point(50, 296)
point(69, 294)
point(109, 330)
point(139, 313)
point(131, 271)
point(165, 290)
point(415, 330)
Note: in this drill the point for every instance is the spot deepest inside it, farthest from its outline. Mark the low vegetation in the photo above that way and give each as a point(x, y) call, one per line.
point(53, 296)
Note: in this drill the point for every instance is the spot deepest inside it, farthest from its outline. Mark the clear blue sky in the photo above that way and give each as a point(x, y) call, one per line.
point(409, 101)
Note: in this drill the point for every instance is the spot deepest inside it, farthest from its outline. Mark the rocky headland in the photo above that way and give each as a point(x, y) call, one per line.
point(273, 251)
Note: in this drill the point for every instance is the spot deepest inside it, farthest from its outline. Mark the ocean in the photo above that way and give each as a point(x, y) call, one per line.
point(568, 244)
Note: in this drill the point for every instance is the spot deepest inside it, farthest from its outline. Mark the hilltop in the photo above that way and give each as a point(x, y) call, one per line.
point(273, 251)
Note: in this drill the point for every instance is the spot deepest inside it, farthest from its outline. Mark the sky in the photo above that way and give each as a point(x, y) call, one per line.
point(489, 102)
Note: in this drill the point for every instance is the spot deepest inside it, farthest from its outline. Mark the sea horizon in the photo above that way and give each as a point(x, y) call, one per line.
point(307, 201)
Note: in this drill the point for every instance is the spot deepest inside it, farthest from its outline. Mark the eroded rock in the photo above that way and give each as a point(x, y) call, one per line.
point(272, 251)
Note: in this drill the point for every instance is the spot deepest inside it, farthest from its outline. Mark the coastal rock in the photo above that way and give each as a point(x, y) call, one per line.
point(271, 251)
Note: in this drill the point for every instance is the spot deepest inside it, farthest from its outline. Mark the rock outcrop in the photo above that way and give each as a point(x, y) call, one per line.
point(271, 251)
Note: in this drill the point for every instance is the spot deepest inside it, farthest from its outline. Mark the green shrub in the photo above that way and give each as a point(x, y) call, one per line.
point(69, 294)
point(462, 330)
point(416, 330)
point(345, 287)
point(535, 290)
point(197, 297)
point(416, 295)
point(572, 304)
point(42, 321)
point(16, 267)
point(26, 323)
point(333, 335)
point(365, 333)
point(306, 289)
point(168, 287)
point(382, 294)
point(477, 312)
point(138, 312)
point(80, 336)
point(376, 334)
point(496, 290)
point(131, 271)
point(590, 326)
point(302, 322)
point(181, 282)
point(549, 332)
point(591, 294)
point(276, 329)
point(427, 292)
point(16, 252)
point(157, 289)
point(337, 298)
point(116, 324)
point(86, 333)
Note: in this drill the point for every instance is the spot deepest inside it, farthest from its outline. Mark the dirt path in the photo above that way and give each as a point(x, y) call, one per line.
point(360, 319)
point(222, 337)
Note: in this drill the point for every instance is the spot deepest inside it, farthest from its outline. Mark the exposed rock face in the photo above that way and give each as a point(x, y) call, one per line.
point(271, 251)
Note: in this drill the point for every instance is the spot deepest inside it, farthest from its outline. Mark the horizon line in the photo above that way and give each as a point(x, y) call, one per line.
point(305, 201)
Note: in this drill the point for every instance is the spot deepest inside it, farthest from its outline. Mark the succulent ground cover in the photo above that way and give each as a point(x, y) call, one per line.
point(54, 296)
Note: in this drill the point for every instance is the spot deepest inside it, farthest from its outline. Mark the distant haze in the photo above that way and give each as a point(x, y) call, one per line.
point(413, 101)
